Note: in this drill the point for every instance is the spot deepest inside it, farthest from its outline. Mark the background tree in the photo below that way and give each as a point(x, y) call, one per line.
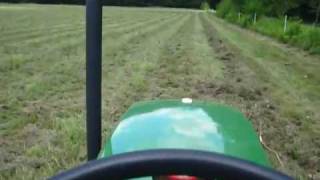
point(315, 8)
point(253, 6)
point(281, 7)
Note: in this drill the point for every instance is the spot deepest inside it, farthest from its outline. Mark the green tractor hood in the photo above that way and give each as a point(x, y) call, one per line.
point(186, 125)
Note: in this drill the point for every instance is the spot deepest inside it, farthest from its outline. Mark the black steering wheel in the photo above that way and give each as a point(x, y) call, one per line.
point(201, 164)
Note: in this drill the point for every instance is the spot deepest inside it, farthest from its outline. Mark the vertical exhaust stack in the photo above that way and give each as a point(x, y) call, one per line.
point(93, 76)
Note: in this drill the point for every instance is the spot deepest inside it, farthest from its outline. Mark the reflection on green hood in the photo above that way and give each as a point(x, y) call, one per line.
point(192, 125)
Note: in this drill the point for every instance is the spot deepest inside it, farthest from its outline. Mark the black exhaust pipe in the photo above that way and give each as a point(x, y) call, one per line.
point(93, 76)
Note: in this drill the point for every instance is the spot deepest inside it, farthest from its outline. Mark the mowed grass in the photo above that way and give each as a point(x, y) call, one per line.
point(293, 82)
point(148, 53)
point(43, 77)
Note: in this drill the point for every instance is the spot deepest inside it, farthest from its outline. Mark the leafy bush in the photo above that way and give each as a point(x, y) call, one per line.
point(292, 34)
point(294, 29)
point(310, 40)
point(269, 26)
point(226, 9)
point(253, 6)
point(232, 17)
point(205, 5)
point(245, 21)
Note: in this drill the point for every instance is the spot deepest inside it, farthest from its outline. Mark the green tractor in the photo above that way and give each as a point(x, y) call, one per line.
point(166, 139)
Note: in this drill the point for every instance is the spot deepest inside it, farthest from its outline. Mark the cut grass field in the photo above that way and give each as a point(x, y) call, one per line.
point(147, 54)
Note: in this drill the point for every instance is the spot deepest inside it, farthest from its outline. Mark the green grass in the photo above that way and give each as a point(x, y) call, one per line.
point(292, 79)
point(147, 54)
point(297, 34)
point(301, 35)
point(42, 76)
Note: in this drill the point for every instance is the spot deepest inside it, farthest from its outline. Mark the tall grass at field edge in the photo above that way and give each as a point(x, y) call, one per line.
point(297, 34)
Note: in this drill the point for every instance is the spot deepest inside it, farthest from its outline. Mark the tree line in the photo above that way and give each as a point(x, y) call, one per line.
point(165, 3)
point(305, 9)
